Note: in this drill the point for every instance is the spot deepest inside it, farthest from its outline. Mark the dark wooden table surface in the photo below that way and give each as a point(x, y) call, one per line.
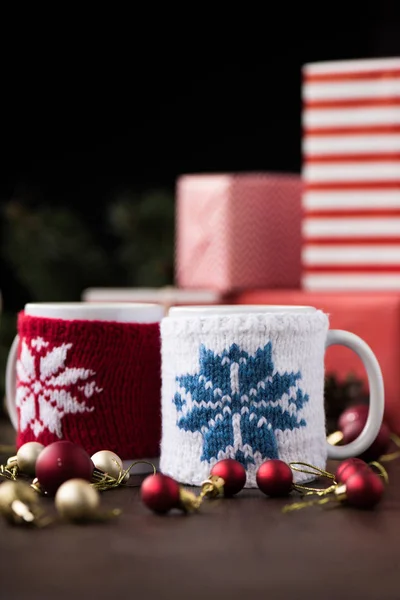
point(238, 548)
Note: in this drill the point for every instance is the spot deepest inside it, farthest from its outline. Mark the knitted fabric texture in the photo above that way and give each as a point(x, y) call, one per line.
point(92, 382)
point(248, 387)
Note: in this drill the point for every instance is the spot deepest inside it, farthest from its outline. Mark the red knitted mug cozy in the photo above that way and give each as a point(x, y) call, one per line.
point(95, 383)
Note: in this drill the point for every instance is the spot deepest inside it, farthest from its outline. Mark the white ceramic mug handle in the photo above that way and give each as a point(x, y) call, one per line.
point(11, 382)
point(376, 394)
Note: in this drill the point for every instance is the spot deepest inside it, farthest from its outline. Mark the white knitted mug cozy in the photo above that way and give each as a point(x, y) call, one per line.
point(250, 386)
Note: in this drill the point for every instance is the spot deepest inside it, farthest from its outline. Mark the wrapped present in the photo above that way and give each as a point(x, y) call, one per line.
point(351, 173)
point(237, 232)
point(374, 316)
point(166, 296)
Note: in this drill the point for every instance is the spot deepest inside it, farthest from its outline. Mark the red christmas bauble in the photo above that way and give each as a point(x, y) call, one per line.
point(353, 413)
point(61, 461)
point(378, 447)
point(160, 493)
point(348, 467)
point(233, 474)
point(364, 489)
point(275, 478)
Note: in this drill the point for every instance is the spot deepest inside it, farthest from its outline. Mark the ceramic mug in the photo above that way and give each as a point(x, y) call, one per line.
point(247, 382)
point(89, 373)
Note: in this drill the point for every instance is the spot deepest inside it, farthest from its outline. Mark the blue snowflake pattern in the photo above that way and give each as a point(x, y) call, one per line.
point(235, 403)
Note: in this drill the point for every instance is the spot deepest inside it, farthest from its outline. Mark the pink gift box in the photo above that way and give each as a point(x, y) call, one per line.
point(236, 232)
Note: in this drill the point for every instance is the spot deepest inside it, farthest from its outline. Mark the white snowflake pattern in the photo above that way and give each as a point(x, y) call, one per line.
point(47, 389)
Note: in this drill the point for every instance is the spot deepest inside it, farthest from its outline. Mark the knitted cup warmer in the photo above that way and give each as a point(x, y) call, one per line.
point(248, 387)
point(94, 383)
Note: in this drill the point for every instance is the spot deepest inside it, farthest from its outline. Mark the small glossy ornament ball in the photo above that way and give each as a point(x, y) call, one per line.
point(16, 490)
point(364, 489)
point(160, 493)
point(275, 478)
point(61, 461)
point(109, 462)
point(353, 413)
point(348, 467)
point(17, 501)
point(233, 474)
point(27, 456)
point(378, 447)
point(77, 500)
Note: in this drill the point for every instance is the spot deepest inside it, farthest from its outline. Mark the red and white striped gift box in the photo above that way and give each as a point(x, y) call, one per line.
point(351, 175)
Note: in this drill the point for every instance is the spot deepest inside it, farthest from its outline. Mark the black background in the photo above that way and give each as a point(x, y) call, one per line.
point(92, 107)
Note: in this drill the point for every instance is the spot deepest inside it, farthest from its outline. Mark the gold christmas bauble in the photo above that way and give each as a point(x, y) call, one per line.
point(14, 496)
point(27, 456)
point(77, 500)
point(109, 462)
point(16, 490)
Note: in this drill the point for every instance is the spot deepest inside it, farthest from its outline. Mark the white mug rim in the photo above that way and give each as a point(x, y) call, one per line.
point(235, 309)
point(122, 312)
